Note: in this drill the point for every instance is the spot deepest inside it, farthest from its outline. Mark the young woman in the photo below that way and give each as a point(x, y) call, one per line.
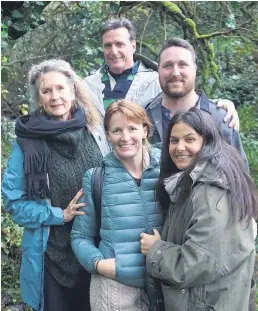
point(205, 256)
point(128, 208)
point(56, 143)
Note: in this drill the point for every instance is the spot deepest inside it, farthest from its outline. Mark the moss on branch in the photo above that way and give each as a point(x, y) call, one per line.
point(172, 7)
point(148, 47)
point(192, 26)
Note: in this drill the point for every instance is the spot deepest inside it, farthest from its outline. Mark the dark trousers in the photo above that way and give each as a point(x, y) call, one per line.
point(60, 298)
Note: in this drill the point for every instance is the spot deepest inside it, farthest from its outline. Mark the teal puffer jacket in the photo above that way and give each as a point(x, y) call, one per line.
point(127, 210)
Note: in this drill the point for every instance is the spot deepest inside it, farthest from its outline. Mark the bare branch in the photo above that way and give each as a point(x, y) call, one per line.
point(149, 48)
point(144, 29)
point(165, 26)
point(40, 56)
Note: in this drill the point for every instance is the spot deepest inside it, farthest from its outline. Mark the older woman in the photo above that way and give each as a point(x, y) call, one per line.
point(56, 144)
point(127, 209)
point(206, 256)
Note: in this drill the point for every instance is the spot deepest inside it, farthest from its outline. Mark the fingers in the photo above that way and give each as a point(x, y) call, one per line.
point(144, 249)
point(79, 205)
point(78, 195)
point(142, 235)
point(79, 213)
point(218, 102)
point(74, 209)
point(156, 233)
point(235, 121)
point(144, 252)
point(231, 112)
point(227, 116)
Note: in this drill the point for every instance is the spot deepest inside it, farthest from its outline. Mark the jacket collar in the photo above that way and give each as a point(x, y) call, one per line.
point(146, 64)
point(203, 102)
point(155, 103)
point(206, 173)
point(155, 111)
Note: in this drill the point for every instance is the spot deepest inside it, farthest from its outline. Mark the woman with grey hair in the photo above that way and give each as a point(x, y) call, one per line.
point(41, 186)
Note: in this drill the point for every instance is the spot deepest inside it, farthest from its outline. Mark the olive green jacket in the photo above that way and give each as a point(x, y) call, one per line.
point(204, 263)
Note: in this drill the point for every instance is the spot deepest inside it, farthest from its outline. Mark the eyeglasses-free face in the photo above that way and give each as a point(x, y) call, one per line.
point(184, 145)
point(55, 95)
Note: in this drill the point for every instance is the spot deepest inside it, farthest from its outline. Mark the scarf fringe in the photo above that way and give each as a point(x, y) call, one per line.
point(32, 132)
point(37, 187)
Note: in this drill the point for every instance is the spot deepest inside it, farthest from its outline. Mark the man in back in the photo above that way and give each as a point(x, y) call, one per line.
point(177, 73)
point(125, 74)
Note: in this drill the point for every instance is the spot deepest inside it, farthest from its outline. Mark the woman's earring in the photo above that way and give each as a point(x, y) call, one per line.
point(41, 109)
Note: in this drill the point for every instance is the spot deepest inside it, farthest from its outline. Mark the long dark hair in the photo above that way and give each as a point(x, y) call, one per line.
point(223, 157)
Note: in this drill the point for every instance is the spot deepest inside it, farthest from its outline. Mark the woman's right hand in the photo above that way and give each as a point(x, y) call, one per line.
point(72, 209)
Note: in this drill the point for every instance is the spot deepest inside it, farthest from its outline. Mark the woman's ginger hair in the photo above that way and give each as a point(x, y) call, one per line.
point(133, 113)
point(81, 99)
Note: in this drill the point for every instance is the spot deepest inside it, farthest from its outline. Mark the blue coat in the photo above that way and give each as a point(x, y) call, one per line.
point(127, 210)
point(35, 217)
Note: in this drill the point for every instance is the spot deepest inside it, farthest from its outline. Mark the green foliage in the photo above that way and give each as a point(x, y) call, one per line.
point(11, 235)
point(192, 25)
point(10, 278)
point(172, 7)
point(249, 136)
point(239, 82)
point(10, 232)
point(238, 71)
point(224, 35)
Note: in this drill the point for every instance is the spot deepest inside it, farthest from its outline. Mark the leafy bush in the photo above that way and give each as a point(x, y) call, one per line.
point(249, 135)
point(10, 232)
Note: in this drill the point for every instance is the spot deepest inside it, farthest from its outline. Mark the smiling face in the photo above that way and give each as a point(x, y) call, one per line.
point(126, 137)
point(118, 49)
point(55, 95)
point(177, 72)
point(184, 145)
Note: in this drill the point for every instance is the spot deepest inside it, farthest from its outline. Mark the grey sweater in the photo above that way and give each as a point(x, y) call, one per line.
point(72, 153)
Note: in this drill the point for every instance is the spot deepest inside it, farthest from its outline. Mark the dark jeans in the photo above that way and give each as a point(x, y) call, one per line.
point(60, 298)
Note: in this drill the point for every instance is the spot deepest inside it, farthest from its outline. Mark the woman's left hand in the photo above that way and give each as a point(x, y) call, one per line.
point(107, 267)
point(148, 240)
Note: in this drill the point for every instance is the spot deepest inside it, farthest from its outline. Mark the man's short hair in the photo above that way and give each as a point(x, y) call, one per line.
point(120, 23)
point(179, 43)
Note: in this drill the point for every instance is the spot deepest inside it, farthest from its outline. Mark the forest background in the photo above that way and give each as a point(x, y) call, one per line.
point(224, 34)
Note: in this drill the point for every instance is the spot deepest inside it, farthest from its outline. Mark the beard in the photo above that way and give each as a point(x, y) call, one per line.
point(175, 93)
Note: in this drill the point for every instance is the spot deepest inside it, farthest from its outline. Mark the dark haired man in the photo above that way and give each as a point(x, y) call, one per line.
point(177, 73)
point(125, 74)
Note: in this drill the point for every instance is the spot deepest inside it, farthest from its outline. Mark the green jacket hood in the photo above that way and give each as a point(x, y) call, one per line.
point(206, 173)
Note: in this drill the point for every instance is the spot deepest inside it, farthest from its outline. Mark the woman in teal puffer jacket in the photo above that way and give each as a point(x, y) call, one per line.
point(127, 208)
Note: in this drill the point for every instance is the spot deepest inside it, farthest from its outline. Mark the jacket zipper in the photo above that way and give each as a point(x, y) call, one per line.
point(147, 229)
point(42, 271)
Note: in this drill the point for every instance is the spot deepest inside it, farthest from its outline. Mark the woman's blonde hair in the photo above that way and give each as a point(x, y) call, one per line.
point(133, 113)
point(81, 99)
